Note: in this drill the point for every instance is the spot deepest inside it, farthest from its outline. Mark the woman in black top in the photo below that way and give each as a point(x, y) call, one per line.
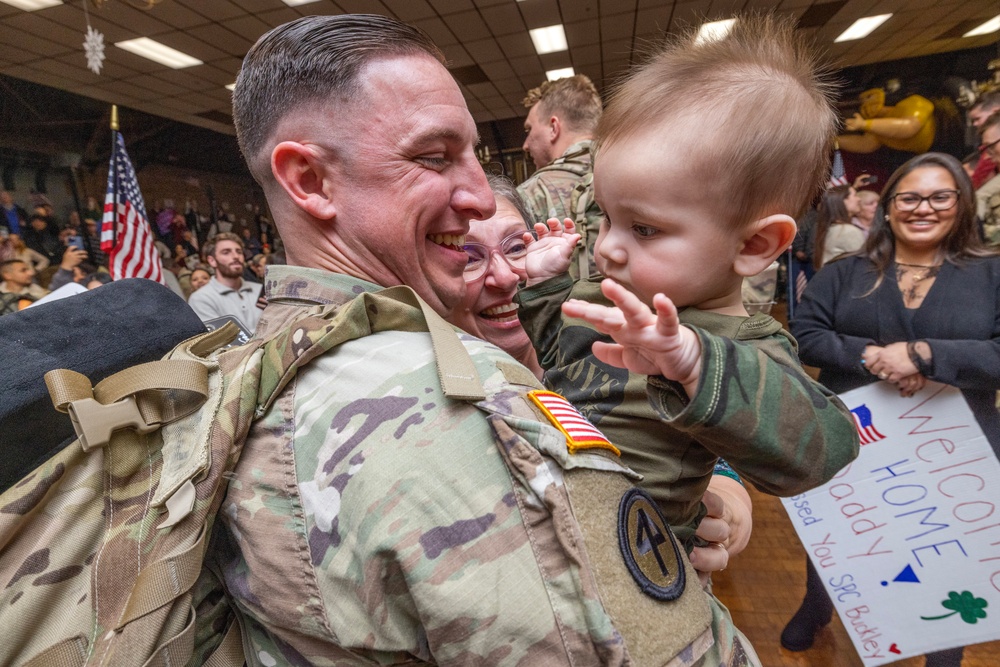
point(920, 302)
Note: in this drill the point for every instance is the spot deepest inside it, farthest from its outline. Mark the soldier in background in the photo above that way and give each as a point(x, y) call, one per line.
point(374, 516)
point(562, 117)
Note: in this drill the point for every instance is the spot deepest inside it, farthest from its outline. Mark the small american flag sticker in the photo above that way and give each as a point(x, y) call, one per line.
point(580, 433)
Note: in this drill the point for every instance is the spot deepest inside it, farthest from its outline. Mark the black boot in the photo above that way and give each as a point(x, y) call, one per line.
point(814, 614)
point(948, 658)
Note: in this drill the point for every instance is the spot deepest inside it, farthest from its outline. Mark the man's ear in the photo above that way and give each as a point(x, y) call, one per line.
point(212, 261)
point(305, 177)
point(555, 129)
point(764, 240)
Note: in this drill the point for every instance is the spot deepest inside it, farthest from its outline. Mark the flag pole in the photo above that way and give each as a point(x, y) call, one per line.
point(114, 167)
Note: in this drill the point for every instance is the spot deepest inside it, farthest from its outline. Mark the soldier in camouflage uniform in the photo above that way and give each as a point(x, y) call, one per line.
point(562, 117)
point(736, 389)
point(377, 516)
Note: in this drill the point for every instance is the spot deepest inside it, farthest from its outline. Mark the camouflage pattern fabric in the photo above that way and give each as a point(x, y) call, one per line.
point(758, 291)
point(373, 520)
point(90, 573)
point(991, 221)
point(548, 192)
point(755, 406)
point(565, 189)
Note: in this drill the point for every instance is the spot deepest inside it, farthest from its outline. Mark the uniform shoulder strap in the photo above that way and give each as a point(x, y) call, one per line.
point(322, 328)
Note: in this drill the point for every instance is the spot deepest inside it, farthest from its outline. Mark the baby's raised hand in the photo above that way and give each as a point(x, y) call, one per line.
point(644, 343)
point(552, 252)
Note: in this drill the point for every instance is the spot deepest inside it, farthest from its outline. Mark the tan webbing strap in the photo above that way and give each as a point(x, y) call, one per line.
point(160, 380)
point(160, 583)
point(141, 397)
point(458, 374)
point(230, 651)
point(66, 386)
point(67, 653)
point(180, 647)
point(213, 340)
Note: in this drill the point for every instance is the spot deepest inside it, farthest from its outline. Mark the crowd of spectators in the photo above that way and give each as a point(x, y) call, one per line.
point(41, 252)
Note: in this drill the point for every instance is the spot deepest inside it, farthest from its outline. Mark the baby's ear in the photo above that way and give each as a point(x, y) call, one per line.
point(763, 241)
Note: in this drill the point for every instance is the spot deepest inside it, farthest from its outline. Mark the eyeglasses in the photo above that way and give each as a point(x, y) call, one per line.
point(512, 248)
point(942, 200)
point(985, 147)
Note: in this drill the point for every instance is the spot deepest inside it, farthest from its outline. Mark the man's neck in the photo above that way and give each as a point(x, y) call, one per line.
point(231, 283)
point(14, 288)
point(568, 140)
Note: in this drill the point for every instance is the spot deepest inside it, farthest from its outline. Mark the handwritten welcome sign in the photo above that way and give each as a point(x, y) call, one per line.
point(907, 537)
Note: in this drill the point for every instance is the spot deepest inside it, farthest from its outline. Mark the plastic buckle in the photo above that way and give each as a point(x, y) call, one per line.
point(94, 422)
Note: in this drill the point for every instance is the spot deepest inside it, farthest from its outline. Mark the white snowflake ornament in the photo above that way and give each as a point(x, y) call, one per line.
point(93, 46)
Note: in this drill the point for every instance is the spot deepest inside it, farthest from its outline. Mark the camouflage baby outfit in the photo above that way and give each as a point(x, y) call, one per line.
point(374, 520)
point(755, 407)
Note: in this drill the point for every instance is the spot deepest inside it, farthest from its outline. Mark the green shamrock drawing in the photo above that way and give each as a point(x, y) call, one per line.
point(969, 606)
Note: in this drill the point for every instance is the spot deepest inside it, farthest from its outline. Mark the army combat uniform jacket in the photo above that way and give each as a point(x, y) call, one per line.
point(755, 407)
point(372, 519)
point(565, 189)
point(548, 193)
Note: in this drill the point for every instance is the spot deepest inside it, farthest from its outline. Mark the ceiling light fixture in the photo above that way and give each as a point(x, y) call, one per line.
point(549, 40)
point(862, 27)
point(554, 74)
point(990, 26)
point(296, 3)
point(161, 53)
point(714, 30)
point(31, 5)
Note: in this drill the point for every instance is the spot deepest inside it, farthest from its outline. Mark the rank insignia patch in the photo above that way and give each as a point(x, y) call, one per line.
point(649, 547)
point(580, 433)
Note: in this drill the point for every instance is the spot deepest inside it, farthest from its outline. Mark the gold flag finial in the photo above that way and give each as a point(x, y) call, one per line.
point(114, 117)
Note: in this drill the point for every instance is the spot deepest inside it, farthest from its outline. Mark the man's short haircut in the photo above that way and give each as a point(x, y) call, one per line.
point(309, 60)
point(503, 188)
point(8, 264)
point(222, 236)
point(987, 101)
point(574, 99)
point(764, 103)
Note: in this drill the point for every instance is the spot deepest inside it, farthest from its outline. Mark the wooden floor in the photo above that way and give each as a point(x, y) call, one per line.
point(764, 585)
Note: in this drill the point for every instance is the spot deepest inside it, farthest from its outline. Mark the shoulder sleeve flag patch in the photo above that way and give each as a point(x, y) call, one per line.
point(580, 433)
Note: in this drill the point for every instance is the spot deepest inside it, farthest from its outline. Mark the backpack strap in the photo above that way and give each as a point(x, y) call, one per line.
point(459, 378)
point(323, 328)
point(142, 397)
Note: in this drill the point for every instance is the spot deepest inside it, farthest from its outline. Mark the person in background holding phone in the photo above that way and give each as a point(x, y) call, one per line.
point(72, 267)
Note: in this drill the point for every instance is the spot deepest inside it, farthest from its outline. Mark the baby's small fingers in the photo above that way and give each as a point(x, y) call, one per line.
point(634, 311)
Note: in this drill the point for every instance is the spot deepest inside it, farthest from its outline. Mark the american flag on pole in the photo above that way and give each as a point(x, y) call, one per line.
point(125, 233)
point(866, 428)
point(837, 175)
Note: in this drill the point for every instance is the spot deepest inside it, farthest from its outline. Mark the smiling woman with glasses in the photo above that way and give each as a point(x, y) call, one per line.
point(918, 303)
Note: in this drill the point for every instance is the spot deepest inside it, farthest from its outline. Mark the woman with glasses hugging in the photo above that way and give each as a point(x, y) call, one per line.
point(920, 301)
